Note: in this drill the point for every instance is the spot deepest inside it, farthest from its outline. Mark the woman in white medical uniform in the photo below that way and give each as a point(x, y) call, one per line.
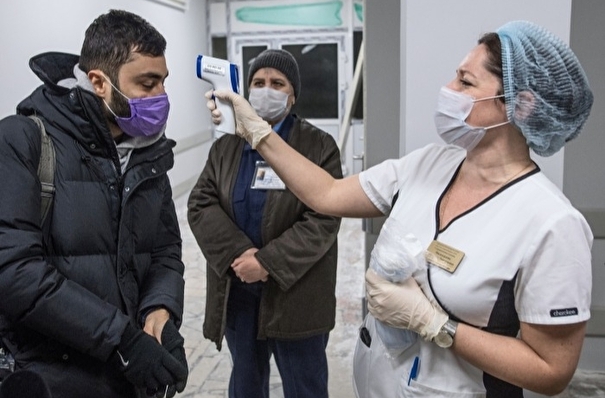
point(502, 301)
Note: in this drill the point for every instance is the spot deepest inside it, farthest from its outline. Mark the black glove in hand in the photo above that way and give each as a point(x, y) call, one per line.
point(173, 342)
point(145, 363)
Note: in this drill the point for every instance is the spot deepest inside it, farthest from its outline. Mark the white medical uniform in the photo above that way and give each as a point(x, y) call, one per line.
point(526, 258)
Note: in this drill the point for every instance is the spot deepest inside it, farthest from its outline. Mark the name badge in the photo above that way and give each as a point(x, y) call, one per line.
point(444, 256)
point(265, 178)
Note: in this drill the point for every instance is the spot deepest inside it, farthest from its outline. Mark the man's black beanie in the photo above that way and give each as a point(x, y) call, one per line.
point(281, 60)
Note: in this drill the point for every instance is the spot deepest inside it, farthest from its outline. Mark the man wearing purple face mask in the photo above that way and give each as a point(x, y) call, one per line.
point(92, 295)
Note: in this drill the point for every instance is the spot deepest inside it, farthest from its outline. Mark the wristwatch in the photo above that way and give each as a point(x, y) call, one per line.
point(445, 337)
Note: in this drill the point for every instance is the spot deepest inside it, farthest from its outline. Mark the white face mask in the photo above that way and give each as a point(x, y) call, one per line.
point(268, 103)
point(453, 108)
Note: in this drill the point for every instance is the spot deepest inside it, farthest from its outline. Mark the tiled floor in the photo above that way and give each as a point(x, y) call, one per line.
point(210, 369)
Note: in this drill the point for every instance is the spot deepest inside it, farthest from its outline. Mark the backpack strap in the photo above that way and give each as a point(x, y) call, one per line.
point(46, 169)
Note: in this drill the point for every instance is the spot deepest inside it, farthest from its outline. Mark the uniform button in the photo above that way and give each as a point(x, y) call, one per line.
point(93, 146)
point(65, 357)
point(127, 189)
point(153, 170)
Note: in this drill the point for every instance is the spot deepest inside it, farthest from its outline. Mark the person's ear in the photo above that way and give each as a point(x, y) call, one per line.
point(524, 105)
point(99, 83)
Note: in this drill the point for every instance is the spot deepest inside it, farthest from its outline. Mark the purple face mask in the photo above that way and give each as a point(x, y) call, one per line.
point(148, 115)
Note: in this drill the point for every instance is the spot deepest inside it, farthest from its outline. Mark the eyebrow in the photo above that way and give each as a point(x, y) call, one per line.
point(152, 75)
point(464, 72)
point(271, 79)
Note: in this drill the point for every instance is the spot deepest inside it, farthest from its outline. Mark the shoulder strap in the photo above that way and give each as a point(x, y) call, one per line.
point(46, 169)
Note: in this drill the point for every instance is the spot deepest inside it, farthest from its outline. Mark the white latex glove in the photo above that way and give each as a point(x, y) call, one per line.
point(211, 105)
point(249, 125)
point(403, 305)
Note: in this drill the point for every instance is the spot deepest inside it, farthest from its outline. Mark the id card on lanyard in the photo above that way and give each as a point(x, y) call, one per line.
point(265, 178)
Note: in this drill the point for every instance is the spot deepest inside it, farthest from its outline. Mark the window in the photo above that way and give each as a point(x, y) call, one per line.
point(248, 55)
point(357, 38)
point(318, 65)
point(219, 47)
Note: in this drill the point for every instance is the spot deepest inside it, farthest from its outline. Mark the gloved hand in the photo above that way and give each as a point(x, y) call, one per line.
point(250, 126)
point(403, 305)
point(147, 364)
point(211, 105)
point(173, 342)
point(24, 383)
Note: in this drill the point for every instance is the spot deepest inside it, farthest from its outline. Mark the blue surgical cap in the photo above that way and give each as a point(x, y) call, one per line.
point(546, 90)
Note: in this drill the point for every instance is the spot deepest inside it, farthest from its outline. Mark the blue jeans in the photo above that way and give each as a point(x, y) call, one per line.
point(302, 364)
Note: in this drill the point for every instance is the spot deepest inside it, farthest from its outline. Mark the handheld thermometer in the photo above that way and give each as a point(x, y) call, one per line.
point(222, 74)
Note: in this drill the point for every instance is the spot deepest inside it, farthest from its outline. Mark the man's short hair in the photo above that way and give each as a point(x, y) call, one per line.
point(112, 38)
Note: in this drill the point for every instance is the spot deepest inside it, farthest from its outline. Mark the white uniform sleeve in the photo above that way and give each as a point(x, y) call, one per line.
point(555, 281)
point(382, 181)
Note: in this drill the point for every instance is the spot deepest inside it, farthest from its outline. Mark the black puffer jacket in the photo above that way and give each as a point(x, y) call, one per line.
point(111, 246)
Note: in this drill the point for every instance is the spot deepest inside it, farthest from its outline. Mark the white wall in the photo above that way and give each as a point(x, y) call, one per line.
point(584, 182)
point(584, 160)
point(29, 27)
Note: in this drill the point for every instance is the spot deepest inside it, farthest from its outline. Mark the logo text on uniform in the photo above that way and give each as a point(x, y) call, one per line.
point(563, 312)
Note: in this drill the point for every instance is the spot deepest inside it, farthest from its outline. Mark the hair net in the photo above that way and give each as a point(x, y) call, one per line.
point(546, 89)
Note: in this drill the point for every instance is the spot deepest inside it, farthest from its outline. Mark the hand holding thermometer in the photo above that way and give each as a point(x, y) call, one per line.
point(222, 75)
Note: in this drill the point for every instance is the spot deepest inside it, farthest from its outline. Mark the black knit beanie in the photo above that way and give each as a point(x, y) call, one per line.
point(278, 59)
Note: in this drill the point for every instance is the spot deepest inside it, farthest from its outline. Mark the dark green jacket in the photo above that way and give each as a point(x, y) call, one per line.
point(298, 300)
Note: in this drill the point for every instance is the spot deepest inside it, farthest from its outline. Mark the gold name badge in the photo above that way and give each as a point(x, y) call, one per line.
point(444, 256)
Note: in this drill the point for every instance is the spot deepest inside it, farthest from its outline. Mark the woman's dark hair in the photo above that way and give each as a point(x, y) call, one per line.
point(494, 57)
point(112, 38)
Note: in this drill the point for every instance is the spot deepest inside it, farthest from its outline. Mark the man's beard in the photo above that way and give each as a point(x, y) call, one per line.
point(119, 105)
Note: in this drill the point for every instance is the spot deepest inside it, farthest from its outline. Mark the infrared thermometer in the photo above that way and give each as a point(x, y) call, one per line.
point(221, 74)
